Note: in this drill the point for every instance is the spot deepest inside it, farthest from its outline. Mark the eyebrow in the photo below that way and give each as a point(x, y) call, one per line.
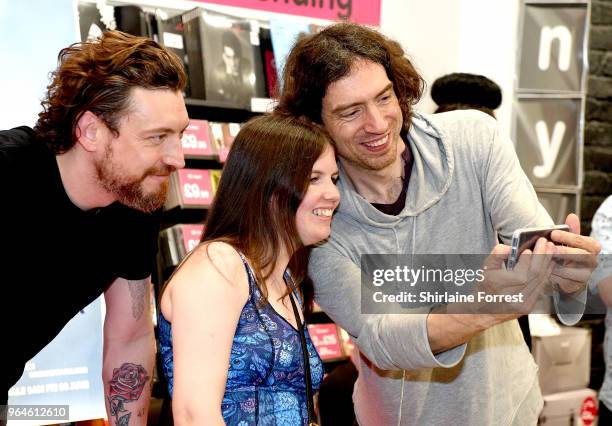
point(321, 172)
point(164, 130)
point(346, 106)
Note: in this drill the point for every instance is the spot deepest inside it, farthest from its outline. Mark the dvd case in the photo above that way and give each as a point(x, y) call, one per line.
point(267, 57)
point(134, 20)
point(171, 35)
point(224, 58)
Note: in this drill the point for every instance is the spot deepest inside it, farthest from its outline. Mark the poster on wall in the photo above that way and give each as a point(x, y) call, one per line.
point(548, 140)
point(551, 47)
point(67, 372)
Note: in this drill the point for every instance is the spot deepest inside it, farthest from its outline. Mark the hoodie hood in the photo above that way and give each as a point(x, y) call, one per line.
point(431, 176)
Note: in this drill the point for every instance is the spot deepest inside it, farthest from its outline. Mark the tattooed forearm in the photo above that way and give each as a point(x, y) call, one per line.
point(126, 386)
point(138, 293)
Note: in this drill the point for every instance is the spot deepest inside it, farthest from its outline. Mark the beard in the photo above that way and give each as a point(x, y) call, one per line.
point(130, 191)
point(371, 163)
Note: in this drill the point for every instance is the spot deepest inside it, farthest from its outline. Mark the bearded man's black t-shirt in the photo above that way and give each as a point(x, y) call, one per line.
point(56, 258)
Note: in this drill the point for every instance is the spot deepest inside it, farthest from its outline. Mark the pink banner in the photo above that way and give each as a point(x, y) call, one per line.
point(360, 11)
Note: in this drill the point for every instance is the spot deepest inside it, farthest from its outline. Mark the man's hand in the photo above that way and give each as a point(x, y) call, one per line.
point(527, 280)
point(456, 323)
point(575, 257)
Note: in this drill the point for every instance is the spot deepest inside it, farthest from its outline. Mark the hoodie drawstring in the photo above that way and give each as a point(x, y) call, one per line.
point(401, 403)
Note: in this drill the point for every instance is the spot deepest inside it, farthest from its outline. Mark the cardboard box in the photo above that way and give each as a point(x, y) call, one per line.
point(564, 360)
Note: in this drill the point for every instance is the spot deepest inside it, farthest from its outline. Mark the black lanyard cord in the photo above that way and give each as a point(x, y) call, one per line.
point(309, 396)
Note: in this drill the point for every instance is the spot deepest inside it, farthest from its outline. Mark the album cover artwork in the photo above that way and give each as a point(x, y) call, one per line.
point(233, 72)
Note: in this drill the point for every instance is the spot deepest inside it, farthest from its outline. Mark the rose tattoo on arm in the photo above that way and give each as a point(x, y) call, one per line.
point(126, 386)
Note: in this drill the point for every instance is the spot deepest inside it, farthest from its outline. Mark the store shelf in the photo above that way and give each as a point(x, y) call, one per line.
point(218, 111)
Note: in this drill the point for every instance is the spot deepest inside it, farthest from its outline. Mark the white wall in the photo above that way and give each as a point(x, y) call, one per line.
point(31, 34)
point(444, 36)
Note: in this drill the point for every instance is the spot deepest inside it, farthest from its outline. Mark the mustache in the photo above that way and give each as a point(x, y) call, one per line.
point(161, 171)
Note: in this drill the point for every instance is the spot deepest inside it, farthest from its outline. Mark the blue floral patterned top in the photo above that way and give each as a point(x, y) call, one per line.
point(265, 381)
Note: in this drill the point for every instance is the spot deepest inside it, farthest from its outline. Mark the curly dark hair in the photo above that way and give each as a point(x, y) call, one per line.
point(97, 76)
point(317, 60)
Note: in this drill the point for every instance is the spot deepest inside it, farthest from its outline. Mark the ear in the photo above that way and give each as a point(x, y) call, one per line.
point(89, 131)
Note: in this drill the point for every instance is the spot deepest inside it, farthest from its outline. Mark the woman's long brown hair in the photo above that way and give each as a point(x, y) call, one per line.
point(264, 181)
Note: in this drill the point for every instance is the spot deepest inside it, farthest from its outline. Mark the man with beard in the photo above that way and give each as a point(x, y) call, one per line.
point(81, 199)
point(412, 183)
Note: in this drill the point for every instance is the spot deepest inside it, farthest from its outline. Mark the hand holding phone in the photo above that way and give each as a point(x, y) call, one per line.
point(526, 238)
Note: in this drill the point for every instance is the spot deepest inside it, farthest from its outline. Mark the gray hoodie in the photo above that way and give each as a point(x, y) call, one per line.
point(466, 186)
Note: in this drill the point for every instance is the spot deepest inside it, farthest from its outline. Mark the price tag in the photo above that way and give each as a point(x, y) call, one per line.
point(196, 142)
point(195, 187)
point(326, 341)
point(191, 236)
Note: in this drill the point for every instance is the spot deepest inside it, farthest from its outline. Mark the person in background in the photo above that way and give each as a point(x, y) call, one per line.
point(419, 184)
point(466, 91)
point(601, 283)
point(82, 194)
point(230, 330)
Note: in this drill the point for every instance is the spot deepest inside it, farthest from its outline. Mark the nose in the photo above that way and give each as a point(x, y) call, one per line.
point(375, 120)
point(173, 155)
point(331, 192)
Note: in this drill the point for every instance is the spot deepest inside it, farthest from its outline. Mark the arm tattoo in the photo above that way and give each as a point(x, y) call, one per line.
point(138, 293)
point(126, 386)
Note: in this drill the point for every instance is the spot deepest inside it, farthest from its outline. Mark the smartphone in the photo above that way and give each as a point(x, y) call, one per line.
point(526, 238)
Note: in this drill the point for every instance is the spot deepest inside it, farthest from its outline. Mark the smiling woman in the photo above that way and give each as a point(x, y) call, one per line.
point(233, 300)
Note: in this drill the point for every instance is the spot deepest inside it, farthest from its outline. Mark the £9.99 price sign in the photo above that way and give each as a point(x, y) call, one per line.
point(196, 141)
point(326, 341)
point(192, 234)
point(195, 187)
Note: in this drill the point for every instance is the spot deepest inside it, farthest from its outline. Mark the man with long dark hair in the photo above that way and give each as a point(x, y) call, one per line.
point(81, 196)
point(417, 184)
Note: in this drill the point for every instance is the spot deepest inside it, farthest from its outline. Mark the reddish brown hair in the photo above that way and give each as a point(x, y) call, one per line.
point(264, 181)
point(320, 59)
point(97, 76)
